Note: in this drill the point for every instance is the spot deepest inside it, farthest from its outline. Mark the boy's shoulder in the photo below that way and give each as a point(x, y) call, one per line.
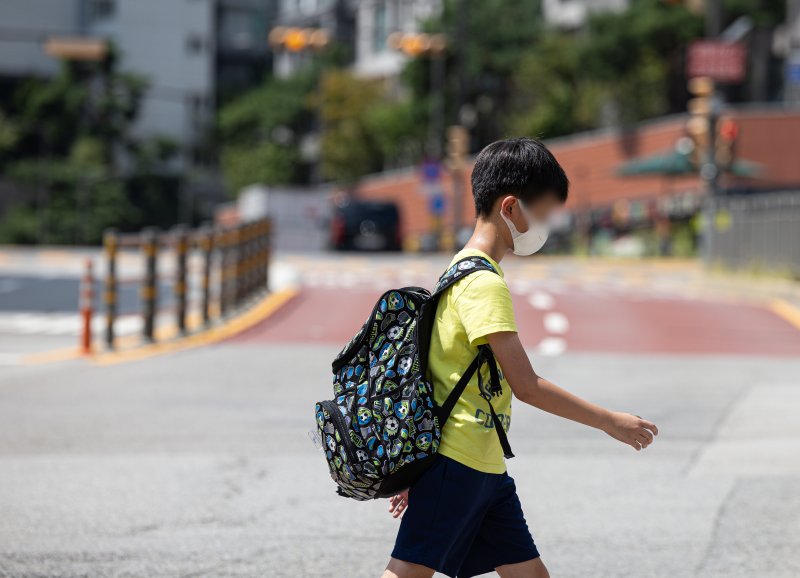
point(480, 285)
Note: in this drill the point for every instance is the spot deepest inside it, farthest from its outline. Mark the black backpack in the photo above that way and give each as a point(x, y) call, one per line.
point(382, 429)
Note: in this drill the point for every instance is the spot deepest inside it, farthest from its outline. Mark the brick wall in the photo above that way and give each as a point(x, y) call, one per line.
point(770, 138)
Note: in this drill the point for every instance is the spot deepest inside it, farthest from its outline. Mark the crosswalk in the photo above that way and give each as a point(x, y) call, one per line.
point(66, 324)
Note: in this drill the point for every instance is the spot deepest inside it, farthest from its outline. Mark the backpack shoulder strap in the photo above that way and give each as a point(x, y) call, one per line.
point(485, 355)
point(457, 271)
point(461, 269)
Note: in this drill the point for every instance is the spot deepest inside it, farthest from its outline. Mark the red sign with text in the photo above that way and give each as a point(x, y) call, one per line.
point(720, 61)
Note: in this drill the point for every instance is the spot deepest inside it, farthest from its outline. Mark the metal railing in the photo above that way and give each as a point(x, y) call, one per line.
point(236, 258)
point(758, 232)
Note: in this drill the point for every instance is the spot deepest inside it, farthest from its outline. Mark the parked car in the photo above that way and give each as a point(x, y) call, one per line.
point(366, 226)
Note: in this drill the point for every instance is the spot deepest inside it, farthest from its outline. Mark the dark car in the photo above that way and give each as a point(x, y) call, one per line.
point(366, 226)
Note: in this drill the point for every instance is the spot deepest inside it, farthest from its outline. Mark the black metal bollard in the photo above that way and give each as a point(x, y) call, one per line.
point(181, 243)
point(238, 264)
point(224, 238)
point(206, 243)
point(149, 289)
point(110, 244)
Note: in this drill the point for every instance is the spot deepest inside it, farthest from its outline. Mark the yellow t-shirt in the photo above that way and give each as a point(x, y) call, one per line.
point(472, 308)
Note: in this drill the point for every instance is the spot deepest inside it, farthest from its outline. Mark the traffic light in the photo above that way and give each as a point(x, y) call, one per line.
point(727, 134)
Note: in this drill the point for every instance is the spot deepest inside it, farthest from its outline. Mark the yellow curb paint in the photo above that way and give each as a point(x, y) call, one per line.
point(244, 321)
point(130, 349)
point(785, 310)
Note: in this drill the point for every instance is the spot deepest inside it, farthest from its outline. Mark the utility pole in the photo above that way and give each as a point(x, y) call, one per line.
point(458, 133)
point(713, 18)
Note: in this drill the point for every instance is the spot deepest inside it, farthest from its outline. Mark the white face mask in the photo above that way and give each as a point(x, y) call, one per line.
point(530, 241)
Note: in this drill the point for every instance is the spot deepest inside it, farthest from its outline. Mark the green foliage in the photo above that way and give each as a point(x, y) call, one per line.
point(265, 162)
point(57, 144)
point(349, 147)
point(399, 130)
point(628, 64)
point(567, 101)
point(258, 131)
point(763, 12)
point(365, 129)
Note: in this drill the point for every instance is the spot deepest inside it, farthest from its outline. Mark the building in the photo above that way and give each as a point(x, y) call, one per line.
point(592, 160)
point(192, 52)
point(335, 16)
point(362, 27)
point(375, 21)
point(571, 14)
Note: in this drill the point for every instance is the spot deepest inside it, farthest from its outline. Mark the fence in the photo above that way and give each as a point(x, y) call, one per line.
point(759, 232)
point(235, 258)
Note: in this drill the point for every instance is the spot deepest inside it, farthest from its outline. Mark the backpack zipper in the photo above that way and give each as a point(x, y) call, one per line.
point(336, 416)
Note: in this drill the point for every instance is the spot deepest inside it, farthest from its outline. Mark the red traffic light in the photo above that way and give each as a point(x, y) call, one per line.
point(728, 130)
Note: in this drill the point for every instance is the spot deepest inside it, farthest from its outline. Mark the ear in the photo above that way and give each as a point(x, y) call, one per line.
point(507, 205)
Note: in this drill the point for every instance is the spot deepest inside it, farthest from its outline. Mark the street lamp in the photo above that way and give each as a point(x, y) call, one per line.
point(433, 46)
point(299, 39)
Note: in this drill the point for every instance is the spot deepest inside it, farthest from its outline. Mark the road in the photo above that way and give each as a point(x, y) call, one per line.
point(198, 463)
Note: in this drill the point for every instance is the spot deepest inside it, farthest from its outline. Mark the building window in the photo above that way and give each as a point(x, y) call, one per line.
point(195, 43)
point(101, 9)
point(380, 30)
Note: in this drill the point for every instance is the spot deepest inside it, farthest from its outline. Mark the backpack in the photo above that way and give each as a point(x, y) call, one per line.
point(382, 429)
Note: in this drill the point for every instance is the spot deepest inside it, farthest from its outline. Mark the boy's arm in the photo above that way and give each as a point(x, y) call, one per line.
point(538, 392)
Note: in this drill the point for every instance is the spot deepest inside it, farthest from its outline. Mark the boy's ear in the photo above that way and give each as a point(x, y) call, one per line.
point(505, 204)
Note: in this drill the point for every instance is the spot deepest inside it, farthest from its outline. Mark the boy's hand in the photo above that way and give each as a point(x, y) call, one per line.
point(398, 504)
point(630, 429)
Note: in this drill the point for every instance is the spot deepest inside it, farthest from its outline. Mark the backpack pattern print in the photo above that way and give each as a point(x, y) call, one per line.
point(383, 417)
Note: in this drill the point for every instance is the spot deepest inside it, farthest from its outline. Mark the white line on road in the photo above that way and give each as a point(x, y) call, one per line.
point(541, 300)
point(7, 359)
point(551, 346)
point(556, 322)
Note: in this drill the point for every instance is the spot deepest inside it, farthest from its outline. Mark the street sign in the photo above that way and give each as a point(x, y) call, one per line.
point(437, 205)
point(720, 61)
point(794, 73)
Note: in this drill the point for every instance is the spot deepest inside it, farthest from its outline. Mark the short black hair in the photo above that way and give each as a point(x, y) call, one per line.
point(522, 167)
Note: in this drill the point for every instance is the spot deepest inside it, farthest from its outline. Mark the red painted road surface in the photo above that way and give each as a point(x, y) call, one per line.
point(597, 322)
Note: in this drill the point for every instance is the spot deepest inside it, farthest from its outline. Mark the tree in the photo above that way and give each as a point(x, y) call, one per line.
point(349, 148)
point(259, 132)
point(499, 34)
point(59, 144)
point(551, 94)
point(623, 68)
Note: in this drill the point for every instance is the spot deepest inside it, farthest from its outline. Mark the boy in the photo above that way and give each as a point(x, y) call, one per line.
point(463, 517)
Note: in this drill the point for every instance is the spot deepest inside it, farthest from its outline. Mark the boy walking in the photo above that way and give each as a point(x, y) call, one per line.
point(463, 517)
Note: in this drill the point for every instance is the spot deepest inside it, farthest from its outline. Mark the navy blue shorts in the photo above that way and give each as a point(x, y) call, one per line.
point(462, 522)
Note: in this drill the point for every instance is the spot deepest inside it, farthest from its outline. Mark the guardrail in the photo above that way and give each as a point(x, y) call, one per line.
point(236, 258)
point(760, 232)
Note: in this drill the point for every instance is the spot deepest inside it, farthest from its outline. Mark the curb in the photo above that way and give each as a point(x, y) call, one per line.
point(248, 318)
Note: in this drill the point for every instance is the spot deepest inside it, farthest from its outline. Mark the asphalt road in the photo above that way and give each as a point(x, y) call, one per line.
point(199, 464)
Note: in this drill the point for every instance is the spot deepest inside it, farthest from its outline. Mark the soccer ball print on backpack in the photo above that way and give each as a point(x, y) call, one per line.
point(383, 426)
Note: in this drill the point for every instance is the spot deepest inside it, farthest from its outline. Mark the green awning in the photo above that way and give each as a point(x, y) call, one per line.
point(674, 163)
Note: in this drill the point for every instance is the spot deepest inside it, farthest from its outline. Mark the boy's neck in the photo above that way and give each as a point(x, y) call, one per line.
point(488, 237)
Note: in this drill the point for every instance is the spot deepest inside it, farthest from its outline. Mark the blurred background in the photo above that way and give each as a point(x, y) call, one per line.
point(200, 200)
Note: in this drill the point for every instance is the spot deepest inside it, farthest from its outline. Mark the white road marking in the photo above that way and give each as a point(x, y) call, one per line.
point(556, 322)
point(541, 300)
point(551, 346)
point(32, 323)
point(8, 359)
